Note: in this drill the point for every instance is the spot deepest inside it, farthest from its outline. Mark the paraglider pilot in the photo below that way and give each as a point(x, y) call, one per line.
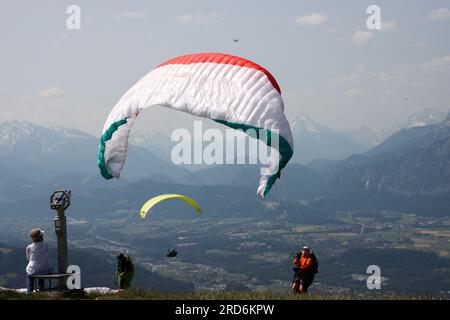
point(306, 267)
point(125, 271)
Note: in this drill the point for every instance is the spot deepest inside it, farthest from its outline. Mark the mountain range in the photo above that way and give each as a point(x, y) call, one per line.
point(312, 141)
point(36, 152)
point(317, 142)
point(409, 171)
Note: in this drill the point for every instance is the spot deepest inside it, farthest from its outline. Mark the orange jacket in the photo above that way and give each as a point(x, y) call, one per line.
point(304, 263)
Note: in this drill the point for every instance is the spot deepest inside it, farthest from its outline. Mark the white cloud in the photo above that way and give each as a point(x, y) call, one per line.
point(437, 63)
point(313, 19)
point(54, 91)
point(420, 44)
point(198, 18)
point(130, 15)
point(388, 25)
point(362, 37)
point(424, 84)
point(439, 14)
point(353, 92)
point(184, 19)
point(362, 77)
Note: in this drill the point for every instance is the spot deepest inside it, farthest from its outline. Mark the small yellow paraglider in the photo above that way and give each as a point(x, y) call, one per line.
point(155, 200)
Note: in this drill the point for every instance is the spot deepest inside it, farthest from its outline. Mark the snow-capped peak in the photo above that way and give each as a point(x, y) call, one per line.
point(303, 122)
point(15, 135)
point(13, 131)
point(72, 133)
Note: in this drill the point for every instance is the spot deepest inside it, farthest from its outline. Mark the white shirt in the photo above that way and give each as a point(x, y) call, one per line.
point(37, 256)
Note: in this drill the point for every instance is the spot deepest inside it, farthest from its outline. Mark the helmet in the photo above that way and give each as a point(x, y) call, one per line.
point(306, 248)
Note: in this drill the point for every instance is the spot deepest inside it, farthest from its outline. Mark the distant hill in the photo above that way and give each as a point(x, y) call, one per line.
point(409, 171)
point(156, 142)
point(221, 191)
point(370, 136)
point(294, 176)
point(403, 270)
point(412, 161)
point(35, 161)
point(37, 152)
point(314, 141)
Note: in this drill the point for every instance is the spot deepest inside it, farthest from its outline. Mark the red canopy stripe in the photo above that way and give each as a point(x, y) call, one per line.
point(221, 58)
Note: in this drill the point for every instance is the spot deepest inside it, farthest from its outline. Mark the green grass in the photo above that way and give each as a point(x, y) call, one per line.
point(13, 295)
point(140, 294)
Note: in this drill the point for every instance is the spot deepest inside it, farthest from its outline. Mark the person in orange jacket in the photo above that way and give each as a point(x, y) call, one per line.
point(305, 270)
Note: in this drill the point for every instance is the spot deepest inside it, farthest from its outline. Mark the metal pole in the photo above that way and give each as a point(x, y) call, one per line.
point(61, 233)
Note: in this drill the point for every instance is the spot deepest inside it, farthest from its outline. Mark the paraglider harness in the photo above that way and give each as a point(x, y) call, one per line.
point(315, 267)
point(125, 270)
point(299, 273)
point(171, 253)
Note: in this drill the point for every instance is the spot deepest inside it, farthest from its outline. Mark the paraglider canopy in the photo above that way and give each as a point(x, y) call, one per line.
point(230, 90)
point(155, 200)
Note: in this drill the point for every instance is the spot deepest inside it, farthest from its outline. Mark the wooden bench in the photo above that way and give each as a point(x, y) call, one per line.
point(48, 277)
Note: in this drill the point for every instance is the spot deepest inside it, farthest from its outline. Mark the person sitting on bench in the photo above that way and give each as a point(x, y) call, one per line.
point(37, 256)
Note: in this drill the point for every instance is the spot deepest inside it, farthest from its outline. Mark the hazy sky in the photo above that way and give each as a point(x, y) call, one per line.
point(328, 64)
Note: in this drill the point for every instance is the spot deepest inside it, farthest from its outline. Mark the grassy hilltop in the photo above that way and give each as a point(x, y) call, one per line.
point(140, 294)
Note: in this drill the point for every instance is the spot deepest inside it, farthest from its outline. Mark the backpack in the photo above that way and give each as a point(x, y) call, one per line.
point(315, 263)
point(129, 264)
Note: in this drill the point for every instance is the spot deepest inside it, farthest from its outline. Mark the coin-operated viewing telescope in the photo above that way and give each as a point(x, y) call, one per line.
point(60, 201)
